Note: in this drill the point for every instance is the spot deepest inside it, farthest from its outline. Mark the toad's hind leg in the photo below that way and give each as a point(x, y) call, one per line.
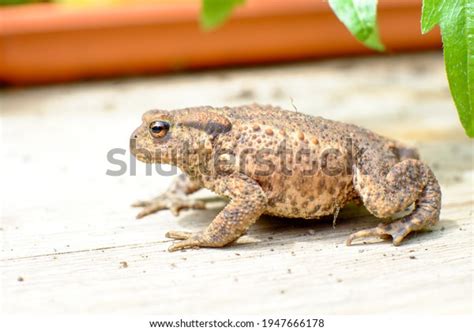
point(386, 193)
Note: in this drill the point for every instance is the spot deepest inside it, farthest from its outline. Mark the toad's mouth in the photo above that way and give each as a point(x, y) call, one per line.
point(143, 158)
point(139, 153)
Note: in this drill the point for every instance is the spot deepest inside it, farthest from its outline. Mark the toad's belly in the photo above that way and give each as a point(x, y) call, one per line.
point(309, 197)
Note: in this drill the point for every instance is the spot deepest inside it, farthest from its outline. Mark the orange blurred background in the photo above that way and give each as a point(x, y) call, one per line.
point(51, 42)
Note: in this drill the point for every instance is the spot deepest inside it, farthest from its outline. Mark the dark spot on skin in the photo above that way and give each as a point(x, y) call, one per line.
point(342, 186)
point(256, 127)
point(212, 128)
point(321, 185)
point(325, 208)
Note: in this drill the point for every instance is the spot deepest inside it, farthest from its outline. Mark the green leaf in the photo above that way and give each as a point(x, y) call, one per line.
point(215, 12)
point(431, 14)
point(16, 2)
point(456, 19)
point(360, 17)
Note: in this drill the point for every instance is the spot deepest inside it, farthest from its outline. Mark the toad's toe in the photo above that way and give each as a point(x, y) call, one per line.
point(384, 231)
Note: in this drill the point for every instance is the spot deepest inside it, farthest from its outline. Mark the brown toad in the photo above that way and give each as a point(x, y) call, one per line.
point(282, 163)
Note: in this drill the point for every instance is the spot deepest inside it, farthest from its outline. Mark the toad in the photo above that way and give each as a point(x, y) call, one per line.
point(283, 163)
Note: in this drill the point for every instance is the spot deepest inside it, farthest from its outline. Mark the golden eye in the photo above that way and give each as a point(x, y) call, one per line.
point(159, 129)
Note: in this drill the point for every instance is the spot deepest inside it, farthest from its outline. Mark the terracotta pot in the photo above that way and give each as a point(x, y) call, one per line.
point(48, 43)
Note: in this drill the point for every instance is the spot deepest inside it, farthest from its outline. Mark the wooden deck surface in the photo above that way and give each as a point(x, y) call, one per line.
point(70, 241)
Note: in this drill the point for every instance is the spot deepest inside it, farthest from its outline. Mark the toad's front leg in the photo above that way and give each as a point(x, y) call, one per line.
point(248, 201)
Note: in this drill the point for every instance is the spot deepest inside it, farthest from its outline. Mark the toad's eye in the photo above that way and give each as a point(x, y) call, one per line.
point(159, 129)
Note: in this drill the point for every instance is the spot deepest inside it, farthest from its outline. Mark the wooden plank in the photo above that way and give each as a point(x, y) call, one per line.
point(66, 226)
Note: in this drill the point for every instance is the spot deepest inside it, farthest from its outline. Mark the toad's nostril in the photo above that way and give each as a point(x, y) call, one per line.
point(135, 136)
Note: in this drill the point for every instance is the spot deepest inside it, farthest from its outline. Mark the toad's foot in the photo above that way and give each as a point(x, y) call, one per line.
point(189, 240)
point(398, 230)
point(173, 202)
point(395, 230)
